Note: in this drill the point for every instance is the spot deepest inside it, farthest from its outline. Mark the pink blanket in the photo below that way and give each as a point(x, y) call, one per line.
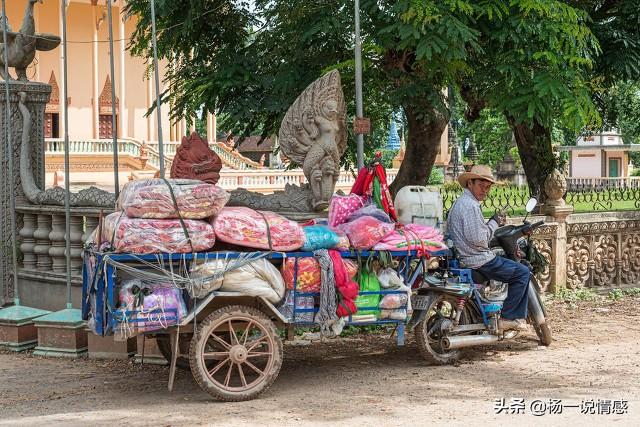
point(141, 236)
point(366, 231)
point(246, 227)
point(152, 198)
point(413, 237)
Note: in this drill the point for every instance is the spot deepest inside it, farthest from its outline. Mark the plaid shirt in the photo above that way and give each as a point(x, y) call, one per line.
point(469, 232)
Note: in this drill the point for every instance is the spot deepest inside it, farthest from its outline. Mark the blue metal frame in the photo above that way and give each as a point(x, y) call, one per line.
point(99, 283)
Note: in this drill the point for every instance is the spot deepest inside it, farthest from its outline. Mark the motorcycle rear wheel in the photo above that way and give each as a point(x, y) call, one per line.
point(441, 308)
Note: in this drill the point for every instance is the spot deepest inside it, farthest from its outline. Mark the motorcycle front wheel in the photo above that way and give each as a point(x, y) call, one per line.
point(536, 306)
point(441, 311)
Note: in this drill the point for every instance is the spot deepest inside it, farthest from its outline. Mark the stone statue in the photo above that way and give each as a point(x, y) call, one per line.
point(21, 46)
point(195, 160)
point(313, 134)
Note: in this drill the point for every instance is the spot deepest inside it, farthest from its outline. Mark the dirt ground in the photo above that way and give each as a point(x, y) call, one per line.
point(361, 380)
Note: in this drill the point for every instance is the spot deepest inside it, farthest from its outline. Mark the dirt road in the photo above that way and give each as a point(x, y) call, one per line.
point(360, 381)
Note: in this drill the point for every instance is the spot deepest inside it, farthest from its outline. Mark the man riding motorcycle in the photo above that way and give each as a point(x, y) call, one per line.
point(471, 236)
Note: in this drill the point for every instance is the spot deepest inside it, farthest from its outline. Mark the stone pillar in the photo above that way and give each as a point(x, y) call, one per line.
point(211, 128)
point(555, 186)
point(41, 249)
point(37, 97)
point(57, 250)
point(28, 241)
point(76, 244)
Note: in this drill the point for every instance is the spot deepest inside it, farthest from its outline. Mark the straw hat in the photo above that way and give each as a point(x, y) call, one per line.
point(476, 172)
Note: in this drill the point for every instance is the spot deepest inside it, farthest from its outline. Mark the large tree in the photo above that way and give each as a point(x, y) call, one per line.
point(248, 66)
point(248, 62)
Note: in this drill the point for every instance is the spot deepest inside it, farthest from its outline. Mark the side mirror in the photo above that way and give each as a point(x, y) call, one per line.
point(531, 205)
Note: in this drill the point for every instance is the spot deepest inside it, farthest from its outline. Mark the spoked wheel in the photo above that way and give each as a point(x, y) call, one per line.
point(535, 303)
point(164, 345)
point(441, 313)
point(236, 354)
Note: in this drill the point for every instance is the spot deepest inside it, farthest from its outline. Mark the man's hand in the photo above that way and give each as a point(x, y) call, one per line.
point(500, 218)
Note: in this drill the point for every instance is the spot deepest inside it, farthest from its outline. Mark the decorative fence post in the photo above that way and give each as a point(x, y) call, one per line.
point(555, 186)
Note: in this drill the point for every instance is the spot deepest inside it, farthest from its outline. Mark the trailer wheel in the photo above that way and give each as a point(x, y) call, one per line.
point(236, 353)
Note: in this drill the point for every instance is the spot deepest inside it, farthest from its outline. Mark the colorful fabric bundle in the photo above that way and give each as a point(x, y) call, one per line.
point(145, 307)
point(143, 236)
point(157, 198)
point(254, 229)
point(319, 237)
point(340, 207)
point(412, 237)
point(366, 231)
point(346, 287)
point(372, 182)
point(309, 273)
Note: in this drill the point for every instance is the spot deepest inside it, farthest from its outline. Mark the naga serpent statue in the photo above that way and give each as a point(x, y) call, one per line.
point(312, 134)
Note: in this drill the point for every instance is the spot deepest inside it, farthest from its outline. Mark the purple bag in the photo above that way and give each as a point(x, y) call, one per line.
point(145, 307)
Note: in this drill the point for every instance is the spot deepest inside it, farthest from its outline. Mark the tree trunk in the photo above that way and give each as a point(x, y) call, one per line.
point(425, 127)
point(536, 154)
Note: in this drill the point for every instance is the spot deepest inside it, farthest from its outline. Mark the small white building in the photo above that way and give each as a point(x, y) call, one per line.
point(600, 155)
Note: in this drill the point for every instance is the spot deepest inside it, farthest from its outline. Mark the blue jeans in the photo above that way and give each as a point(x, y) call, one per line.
point(517, 276)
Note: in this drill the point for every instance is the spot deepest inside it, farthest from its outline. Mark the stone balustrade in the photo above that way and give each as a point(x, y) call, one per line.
point(43, 239)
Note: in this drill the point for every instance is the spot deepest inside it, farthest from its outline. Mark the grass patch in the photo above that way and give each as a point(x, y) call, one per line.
point(617, 294)
point(574, 295)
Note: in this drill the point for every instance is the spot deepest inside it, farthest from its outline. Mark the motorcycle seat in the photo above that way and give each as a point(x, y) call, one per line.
point(479, 278)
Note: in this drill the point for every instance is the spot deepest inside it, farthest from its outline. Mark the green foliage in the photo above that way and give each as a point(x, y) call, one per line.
point(436, 177)
point(387, 157)
point(618, 294)
point(491, 135)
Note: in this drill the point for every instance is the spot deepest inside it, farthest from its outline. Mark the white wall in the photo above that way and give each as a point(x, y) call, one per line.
point(586, 163)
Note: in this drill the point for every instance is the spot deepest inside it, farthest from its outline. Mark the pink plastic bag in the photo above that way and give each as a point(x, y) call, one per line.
point(366, 231)
point(246, 227)
point(341, 207)
point(152, 198)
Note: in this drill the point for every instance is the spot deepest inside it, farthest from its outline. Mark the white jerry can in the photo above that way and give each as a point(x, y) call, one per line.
point(419, 205)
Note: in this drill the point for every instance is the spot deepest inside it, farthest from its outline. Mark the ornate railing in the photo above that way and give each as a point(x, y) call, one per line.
point(574, 184)
point(104, 147)
point(132, 147)
point(509, 198)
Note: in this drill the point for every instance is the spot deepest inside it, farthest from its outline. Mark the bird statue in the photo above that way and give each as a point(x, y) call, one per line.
point(21, 46)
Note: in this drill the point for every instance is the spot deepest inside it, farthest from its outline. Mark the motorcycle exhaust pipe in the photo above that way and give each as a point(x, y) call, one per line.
point(453, 343)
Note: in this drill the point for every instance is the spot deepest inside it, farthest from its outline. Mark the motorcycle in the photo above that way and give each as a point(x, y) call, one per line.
point(456, 308)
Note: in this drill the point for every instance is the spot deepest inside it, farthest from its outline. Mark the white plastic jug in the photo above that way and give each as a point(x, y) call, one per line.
point(419, 205)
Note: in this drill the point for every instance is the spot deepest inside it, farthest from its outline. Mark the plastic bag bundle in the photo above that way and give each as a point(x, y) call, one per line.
point(245, 227)
point(154, 198)
point(340, 207)
point(145, 307)
point(412, 237)
point(309, 279)
point(389, 278)
point(319, 237)
point(366, 231)
point(301, 303)
point(370, 210)
point(392, 301)
point(143, 236)
point(258, 278)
